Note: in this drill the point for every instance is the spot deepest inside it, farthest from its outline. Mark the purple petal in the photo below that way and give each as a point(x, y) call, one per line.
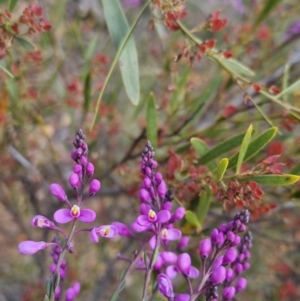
point(29, 247)
point(158, 263)
point(62, 216)
point(93, 235)
point(184, 263)
point(144, 209)
point(152, 242)
point(171, 271)
point(194, 273)
point(163, 216)
point(169, 257)
point(182, 297)
point(143, 220)
point(122, 229)
point(42, 222)
point(165, 286)
point(138, 228)
point(171, 234)
point(70, 294)
point(87, 215)
point(76, 286)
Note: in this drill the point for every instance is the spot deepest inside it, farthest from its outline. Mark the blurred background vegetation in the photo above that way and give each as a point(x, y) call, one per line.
point(53, 92)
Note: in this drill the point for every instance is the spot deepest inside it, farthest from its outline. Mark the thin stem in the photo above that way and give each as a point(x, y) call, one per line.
point(114, 63)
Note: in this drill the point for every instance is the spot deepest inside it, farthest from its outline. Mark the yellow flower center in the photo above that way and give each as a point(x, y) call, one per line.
point(151, 214)
point(75, 211)
point(164, 233)
point(104, 231)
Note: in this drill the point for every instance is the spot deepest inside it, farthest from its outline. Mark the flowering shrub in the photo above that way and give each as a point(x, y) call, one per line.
point(207, 157)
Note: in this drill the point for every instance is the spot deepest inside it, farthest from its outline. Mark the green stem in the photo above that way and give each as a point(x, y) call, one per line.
point(115, 61)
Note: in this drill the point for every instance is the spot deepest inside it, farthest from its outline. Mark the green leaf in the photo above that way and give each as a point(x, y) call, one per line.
point(244, 148)
point(128, 62)
point(272, 180)
point(295, 169)
point(204, 205)
point(221, 149)
point(270, 4)
point(154, 258)
point(6, 70)
point(234, 67)
point(255, 146)
point(293, 87)
point(221, 169)
point(151, 121)
point(191, 217)
point(26, 44)
point(87, 92)
point(48, 286)
point(91, 49)
point(12, 4)
point(201, 148)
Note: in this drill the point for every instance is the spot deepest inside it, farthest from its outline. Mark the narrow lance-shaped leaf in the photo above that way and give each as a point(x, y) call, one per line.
point(221, 169)
point(87, 92)
point(191, 217)
point(201, 148)
point(204, 205)
point(151, 121)
point(221, 149)
point(272, 180)
point(255, 146)
point(293, 87)
point(12, 4)
point(244, 148)
point(118, 27)
point(270, 4)
point(26, 44)
point(6, 71)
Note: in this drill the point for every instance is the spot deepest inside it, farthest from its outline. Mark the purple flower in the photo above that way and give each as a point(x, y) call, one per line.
point(122, 229)
point(29, 247)
point(63, 216)
point(107, 231)
point(40, 221)
point(161, 217)
point(166, 235)
point(58, 192)
point(165, 286)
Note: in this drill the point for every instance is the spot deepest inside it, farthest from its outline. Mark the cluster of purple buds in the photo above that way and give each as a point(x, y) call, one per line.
point(224, 256)
point(81, 176)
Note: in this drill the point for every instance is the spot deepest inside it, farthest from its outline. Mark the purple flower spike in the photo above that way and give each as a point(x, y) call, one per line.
point(230, 256)
point(165, 286)
point(205, 248)
point(241, 284)
point(144, 195)
point(162, 189)
point(40, 221)
point(184, 263)
point(58, 192)
point(122, 229)
point(29, 247)
point(90, 169)
point(218, 275)
point(107, 231)
point(182, 297)
point(228, 293)
point(74, 180)
point(94, 186)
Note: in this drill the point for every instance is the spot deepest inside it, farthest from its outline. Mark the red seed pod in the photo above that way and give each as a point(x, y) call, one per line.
point(256, 87)
point(202, 48)
point(275, 90)
point(210, 44)
point(226, 54)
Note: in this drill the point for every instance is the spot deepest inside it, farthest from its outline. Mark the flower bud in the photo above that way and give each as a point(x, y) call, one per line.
point(205, 248)
point(165, 286)
point(144, 195)
point(177, 215)
point(76, 286)
point(58, 192)
point(220, 239)
point(158, 263)
point(230, 256)
point(29, 247)
point(167, 206)
point(246, 266)
point(218, 275)
point(40, 221)
point(168, 257)
point(183, 242)
point(213, 235)
point(74, 180)
point(184, 263)
point(236, 241)
point(70, 294)
point(230, 236)
point(229, 274)
point(94, 186)
point(77, 168)
point(217, 262)
point(83, 160)
point(238, 268)
point(158, 178)
point(147, 182)
point(90, 169)
point(241, 284)
point(162, 188)
point(228, 292)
